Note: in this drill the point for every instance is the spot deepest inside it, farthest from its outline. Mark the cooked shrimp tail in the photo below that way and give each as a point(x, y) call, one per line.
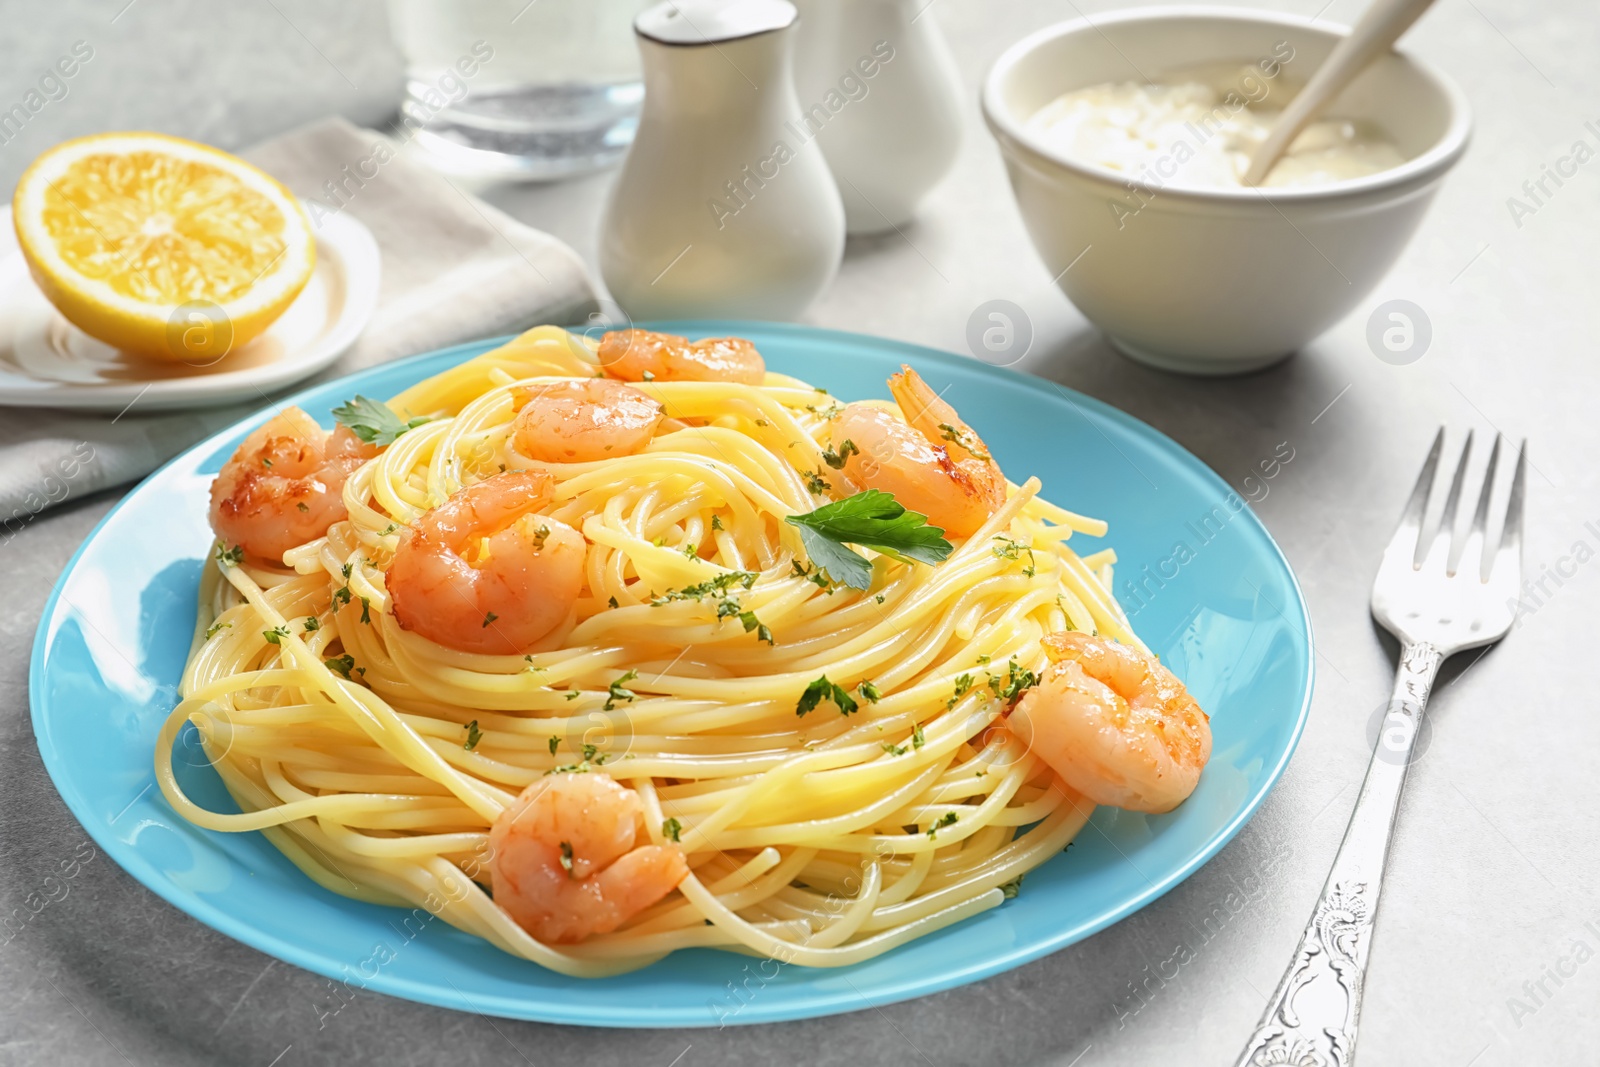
point(284, 484)
point(583, 420)
point(933, 463)
point(1115, 724)
point(643, 355)
point(565, 863)
point(484, 572)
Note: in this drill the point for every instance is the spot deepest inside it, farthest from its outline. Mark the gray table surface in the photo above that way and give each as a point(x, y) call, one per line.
point(1491, 913)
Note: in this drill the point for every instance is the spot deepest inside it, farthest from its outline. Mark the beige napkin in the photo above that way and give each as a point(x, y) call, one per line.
point(453, 269)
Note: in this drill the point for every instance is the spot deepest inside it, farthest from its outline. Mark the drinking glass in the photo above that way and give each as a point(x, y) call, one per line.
point(519, 89)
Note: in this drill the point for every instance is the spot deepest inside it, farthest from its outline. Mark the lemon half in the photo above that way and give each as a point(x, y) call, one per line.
point(160, 246)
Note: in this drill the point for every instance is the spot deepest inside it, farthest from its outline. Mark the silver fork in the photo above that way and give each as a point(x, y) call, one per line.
point(1437, 602)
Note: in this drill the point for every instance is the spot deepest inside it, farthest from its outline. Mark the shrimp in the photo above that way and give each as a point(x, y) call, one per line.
point(563, 863)
point(643, 355)
point(483, 572)
point(933, 463)
point(1115, 724)
point(284, 485)
point(584, 419)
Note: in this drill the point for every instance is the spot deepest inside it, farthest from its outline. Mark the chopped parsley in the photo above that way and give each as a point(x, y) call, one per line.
point(229, 557)
point(963, 684)
point(836, 460)
point(1010, 548)
point(275, 635)
point(592, 754)
point(474, 735)
point(917, 740)
point(540, 535)
point(821, 690)
point(366, 610)
point(816, 484)
point(301, 504)
point(815, 575)
point(963, 438)
point(720, 585)
point(341, 665)
point(872, 519)
point(373, 421)
point(618, 692)
point(690, 551)
point(487, 619)
point(1016, 679)
point(217, 627)
point(555, 743)
point(870, 691)
point(613, 602)
point(566, 858)
point(716, 522)
point(947, 819)
point(750, 622)
point(672, 828)
point(311, 624)
point(1012, 888)
point(894, 750)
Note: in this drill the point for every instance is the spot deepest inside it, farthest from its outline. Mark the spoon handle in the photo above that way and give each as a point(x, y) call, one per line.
point(1379, 28)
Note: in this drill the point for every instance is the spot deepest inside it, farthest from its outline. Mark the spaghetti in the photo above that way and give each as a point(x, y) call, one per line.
point(378, 760)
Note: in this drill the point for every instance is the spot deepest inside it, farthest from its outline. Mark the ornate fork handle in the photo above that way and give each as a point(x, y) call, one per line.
point(1311, 1019)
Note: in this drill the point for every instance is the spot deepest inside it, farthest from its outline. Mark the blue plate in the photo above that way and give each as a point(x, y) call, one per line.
point(1206, 586)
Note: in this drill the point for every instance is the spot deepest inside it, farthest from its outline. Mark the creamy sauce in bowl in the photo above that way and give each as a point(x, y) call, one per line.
point(1188, 132)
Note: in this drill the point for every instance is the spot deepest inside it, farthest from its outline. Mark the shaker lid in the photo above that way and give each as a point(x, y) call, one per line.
point(699, 22)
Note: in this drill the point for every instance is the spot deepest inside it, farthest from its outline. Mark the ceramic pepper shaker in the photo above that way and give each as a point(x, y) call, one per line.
point(723, 207)
point(880, 91)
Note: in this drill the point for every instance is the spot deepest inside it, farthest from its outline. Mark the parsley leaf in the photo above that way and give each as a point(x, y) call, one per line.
point(1012, 888)
point(870, 691)
point(373, 421)
point(341, 665)
point(276, 634)
point(216, 628)
point(836, 460)
point(617, 692)
point(872, 519)
point(229, 557)
point(821, 690)
point(555, 743)
point(474, 735)
point(947, 819)
point(672, 828)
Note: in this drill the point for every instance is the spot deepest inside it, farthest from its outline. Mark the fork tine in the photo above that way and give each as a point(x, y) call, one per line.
point(1407, 533)
point(1509, 554)
point(1471, 556)
point(1439, 550)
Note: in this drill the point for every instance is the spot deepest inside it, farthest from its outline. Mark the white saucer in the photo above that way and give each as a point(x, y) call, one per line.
point(46, 362)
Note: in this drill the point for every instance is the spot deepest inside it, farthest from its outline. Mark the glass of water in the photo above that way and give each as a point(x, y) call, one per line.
point(519, 89)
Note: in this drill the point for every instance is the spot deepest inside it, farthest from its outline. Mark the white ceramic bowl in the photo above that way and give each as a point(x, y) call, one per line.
point(1216, 281)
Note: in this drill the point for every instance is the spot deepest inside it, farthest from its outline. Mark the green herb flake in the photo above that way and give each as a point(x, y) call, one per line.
point(617, 691)
point(894, 750)
point(837, 460)
point(1012, 888)
point(566, 857)
point(872, 519)
point(672, 829)
point(947, 819)
point(716, 522)
point(822, 689)
point(301, 504)
point(311, 624)
point(612, 601)
point(341, 665)
point(229, 557)
point(487, 619)
point(870, 691)
point(366, 610)
point(555, 743)
point(917, 739)
point(275, 635)
point(216, 628)
point(372, 420)
point(474, 735)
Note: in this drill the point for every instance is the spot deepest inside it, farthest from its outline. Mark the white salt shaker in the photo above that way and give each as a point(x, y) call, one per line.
point(724, 206)
point(880, 91)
